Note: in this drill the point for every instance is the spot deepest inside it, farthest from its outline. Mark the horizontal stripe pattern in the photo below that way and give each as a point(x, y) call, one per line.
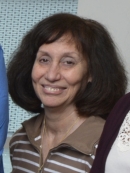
point(50, 170)
point(25, 160)
point(65, 158)
point(22, 142)
point(24, 157)
point(26, 151)
point(62, 160)
point(65, 166)
point(72, 158)
point(23, 169)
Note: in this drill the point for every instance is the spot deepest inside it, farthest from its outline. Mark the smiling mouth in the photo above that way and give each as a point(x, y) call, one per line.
point(53, 89)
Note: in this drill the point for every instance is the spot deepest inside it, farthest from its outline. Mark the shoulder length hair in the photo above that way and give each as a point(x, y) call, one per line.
point(109, 80)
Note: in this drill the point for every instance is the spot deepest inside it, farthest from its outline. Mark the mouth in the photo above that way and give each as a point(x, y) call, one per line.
point(53, 89)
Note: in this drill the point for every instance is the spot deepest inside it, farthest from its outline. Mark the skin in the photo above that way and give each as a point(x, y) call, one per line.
point(59, 72)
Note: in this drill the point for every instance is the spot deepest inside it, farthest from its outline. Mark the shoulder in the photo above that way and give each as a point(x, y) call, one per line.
point(92, 129)
point(21, 134)
point(17, 136)
point(96, 122)
point(29, 128)
point(96, 126)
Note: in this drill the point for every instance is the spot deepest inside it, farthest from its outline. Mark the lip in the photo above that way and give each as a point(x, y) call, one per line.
point(53, 89)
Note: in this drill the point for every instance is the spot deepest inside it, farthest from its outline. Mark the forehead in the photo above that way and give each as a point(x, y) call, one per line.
point(61, 47)
point(66, 39)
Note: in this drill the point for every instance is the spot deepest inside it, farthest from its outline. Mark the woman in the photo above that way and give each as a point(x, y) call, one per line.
point(4, 110)
point(114, 148)
point(69, 65)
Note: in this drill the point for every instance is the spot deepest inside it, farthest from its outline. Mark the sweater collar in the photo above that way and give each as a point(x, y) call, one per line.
point(86, 135)
point(82, 139)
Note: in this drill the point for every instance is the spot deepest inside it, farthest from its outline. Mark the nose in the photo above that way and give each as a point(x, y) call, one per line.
point(53, 73)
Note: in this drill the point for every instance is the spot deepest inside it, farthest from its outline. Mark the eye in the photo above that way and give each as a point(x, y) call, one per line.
point(68, 61)
point(44, 60)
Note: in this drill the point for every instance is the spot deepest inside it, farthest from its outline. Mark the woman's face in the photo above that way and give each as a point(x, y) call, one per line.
point(59, 72)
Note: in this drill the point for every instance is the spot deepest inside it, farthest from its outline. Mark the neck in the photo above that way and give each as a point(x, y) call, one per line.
point(61, 131)
point(59, 122)
point(58, 126)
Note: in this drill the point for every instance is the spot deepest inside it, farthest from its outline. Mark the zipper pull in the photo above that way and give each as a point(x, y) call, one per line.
point(40, 169)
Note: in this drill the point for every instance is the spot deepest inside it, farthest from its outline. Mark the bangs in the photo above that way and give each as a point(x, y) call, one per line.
point(55, 27)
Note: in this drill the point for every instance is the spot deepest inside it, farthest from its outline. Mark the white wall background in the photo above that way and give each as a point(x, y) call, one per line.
point(115, 15)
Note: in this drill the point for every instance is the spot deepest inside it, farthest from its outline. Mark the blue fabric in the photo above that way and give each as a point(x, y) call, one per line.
point(4, 107)
point(1, 165)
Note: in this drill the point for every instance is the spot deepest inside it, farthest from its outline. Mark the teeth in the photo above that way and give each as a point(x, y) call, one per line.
point(52, 89)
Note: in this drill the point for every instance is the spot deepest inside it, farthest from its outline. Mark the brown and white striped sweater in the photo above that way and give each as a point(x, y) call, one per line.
point(75, 154)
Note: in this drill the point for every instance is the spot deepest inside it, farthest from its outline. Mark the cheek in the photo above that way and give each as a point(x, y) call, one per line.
point(35, 73)
point(35, 80)
point(78, 77)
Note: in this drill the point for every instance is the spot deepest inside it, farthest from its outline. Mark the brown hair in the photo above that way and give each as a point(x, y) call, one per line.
point(108, 75)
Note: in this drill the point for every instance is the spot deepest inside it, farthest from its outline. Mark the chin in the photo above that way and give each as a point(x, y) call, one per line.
point(51, 105)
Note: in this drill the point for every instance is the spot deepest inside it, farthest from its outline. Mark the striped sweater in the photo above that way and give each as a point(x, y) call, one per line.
point(75, 154)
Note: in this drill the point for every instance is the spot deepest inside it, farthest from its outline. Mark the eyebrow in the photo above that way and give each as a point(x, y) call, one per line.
point(43, 52)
